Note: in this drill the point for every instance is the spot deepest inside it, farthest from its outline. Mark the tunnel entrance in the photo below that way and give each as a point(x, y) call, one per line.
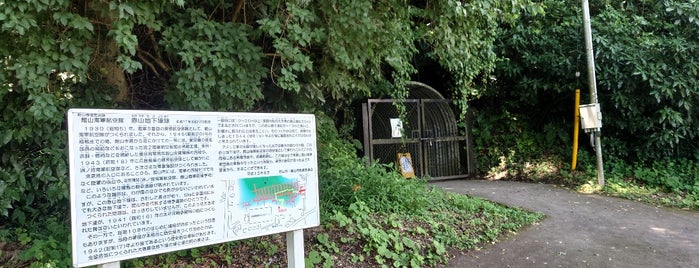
point(429, 133)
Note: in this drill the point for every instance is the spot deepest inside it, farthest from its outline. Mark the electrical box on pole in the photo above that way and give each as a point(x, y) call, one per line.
point(590, 117)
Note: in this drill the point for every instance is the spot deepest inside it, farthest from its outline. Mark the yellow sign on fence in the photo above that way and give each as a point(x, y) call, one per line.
point(405, 165)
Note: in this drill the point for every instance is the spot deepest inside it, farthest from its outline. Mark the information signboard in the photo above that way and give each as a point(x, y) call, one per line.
point(149, 182)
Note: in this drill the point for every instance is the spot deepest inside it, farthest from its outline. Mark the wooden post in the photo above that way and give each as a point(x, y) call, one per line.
point(294, 249)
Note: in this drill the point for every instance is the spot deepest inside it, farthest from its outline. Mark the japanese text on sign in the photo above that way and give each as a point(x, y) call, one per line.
point(148, 182)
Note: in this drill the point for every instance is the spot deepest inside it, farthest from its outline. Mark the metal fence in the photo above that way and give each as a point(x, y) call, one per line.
point(438, 148)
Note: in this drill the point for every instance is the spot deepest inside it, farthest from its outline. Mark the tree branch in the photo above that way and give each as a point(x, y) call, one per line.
point(238, 8)
point(147, 62)
point(157, 60)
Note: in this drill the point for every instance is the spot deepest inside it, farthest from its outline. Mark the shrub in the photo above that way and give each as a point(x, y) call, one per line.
point(345, 179)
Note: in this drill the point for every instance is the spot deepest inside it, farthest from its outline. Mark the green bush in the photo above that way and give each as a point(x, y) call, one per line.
point(673, 175)
point(212, 55)
point(667, 174)
point(667, 182)
point(345, 179)
point(47, 243)
point(421, 238)
point(647, 64)
point(515, 147)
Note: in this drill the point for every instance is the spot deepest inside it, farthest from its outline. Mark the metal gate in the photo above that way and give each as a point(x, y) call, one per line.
point(439, 150)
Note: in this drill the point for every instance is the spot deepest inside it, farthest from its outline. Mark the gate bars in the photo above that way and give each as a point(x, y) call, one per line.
point(430, 134)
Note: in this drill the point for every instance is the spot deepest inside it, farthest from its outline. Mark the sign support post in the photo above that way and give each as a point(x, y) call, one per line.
point(294, 249)
point(115, 264)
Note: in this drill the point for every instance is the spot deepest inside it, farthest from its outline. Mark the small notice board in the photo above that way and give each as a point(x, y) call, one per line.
point(405, 165)
point(149, 182)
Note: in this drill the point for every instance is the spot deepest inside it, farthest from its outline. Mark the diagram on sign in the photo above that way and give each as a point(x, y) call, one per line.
point(265, 203)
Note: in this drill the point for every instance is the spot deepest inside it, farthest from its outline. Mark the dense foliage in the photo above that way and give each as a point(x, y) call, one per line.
point(311, 56)
point(514, 63)
point(210, 55)
point(646, 63)
point(647, 67)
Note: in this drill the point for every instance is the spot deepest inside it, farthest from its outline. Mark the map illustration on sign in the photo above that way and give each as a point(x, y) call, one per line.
point(277, 190)
point(268, 203)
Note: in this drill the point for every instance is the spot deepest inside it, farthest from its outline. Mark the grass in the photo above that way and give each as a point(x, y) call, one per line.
point(388, 221)
point(370, 217)
point(362, 237)
point(652, 194)
point(430, 227)
point(665, 182)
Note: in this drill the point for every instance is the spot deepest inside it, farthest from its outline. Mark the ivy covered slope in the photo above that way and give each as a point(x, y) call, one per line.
point(310, 56)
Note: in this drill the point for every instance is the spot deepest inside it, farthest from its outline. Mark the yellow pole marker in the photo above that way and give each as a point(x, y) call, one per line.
point(576, 129)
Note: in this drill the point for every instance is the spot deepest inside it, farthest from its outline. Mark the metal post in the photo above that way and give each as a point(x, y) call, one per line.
point(593, 86)
point(294, 249)
point(366, 117)
point(576, 127)
point(110, 265)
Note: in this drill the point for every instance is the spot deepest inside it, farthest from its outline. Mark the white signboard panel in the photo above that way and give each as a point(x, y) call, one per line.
point(396, 128)
point(148, 182)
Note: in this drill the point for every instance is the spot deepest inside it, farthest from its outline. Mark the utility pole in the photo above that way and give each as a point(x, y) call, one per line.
point(593, 87)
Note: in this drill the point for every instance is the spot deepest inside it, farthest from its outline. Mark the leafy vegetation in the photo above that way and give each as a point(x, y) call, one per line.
point(646, 69)
point(361, 232)
point(667, 182)
point(382, 220)
point(512, 64)
point(311, 56)
point(212, 55)
point(397, 222)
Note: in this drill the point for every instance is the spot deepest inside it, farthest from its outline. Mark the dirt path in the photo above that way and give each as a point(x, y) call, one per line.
point(583, 230)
